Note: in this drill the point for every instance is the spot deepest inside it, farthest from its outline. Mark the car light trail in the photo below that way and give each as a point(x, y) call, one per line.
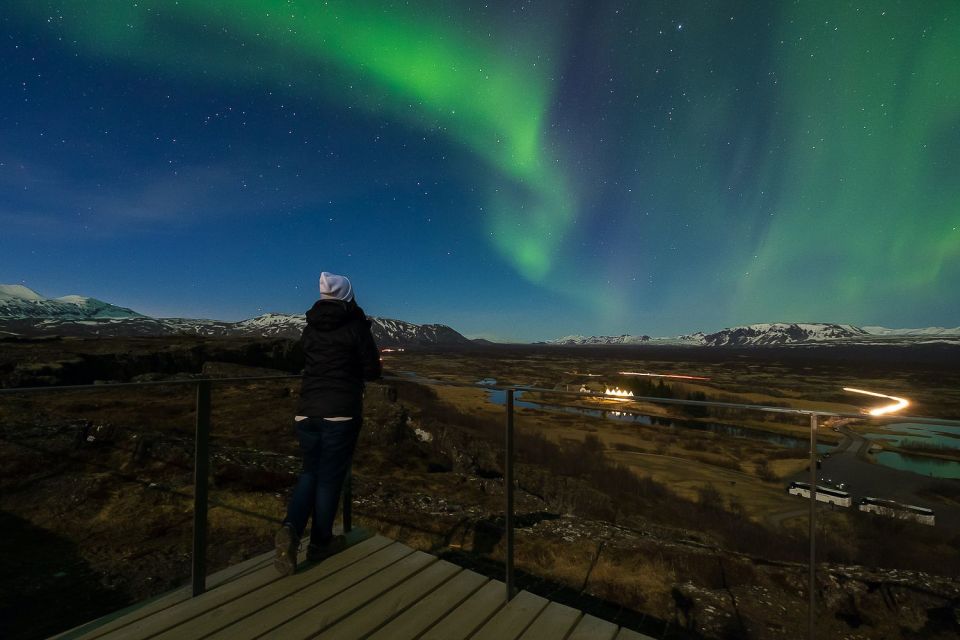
point(898, 403)
point(661, 375)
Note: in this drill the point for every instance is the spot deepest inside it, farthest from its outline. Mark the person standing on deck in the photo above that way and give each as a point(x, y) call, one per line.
point(340, 356)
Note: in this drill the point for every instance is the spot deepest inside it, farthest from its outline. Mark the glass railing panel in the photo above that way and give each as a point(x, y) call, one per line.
point(433, 477)
point(574, 504)
point(254, 462)
point(96, 497)
point(685, 508)
point(673, 519)
point(897, 541)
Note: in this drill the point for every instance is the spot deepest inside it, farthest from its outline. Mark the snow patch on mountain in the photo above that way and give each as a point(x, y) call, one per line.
point(19, 292)
point(621, 339)
point(18, 302)
point(391, 333)
point(26, 312)
point(780, 333)
point(927, 331)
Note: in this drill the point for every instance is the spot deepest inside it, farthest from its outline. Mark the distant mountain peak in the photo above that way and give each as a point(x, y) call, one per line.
point(24, 311)
point(780, 333)
point(18, 302)
point(926, 331)
point(19, 292)
point(621, 339)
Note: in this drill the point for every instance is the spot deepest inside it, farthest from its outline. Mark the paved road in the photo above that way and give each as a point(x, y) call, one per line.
point(850, 464)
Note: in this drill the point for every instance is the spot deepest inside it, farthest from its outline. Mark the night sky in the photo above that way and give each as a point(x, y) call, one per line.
point(518, 170)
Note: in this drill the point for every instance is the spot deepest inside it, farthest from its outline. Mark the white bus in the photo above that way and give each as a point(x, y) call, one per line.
point(893, 509)
point(824, 494)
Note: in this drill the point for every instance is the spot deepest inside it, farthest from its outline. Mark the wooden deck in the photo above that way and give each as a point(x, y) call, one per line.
point(376, 588)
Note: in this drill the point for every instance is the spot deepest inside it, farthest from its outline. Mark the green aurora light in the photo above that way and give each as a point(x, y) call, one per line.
point(491, 100)
point(870, 118)
point(797, 163)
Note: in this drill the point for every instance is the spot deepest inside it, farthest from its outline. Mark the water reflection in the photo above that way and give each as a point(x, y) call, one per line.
point(621, 415)
point(930, 437)
point(922, 434)
point(925, 466)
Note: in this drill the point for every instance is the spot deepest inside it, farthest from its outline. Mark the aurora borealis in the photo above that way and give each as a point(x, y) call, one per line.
point(516, 170)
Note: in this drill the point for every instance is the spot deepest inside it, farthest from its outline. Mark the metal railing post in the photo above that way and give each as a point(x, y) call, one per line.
point(814, 418)
point(348, 502)
point(201, 469)
point(508, 490)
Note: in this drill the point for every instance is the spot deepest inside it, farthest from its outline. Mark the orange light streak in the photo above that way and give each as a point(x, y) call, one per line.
point(898, 403)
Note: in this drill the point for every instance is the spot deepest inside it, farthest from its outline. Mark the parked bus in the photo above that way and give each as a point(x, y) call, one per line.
point(893, 509)
point(824, 494)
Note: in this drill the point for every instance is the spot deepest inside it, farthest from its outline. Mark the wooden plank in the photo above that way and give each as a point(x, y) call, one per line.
point(375, 614)
point(110, 622)
point(299, 601)
point(591, 628)
point(320, 617)
point(627, 634)
point(128, 615)
point(555, 621)
point(415, 620)
point(172, 616)
point(472, 612)
point(248, 604)
point(513, 619)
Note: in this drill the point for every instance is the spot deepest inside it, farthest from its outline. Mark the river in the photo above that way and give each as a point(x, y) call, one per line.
point(932, 435)
point(621, 415)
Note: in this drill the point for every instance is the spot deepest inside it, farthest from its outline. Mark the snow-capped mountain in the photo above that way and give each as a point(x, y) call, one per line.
point(781, 333)
point(281, 325)
point(627, 339)
point(18, 301)
point(390, 333)
point(926, 332)
point(386, 331)
point(622, 339)
point(26, 312)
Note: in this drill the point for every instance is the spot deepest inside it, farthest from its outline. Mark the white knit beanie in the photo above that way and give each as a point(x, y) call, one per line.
point(334, 287)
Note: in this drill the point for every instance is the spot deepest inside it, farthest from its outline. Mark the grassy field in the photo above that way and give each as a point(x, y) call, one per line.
point(747, 472)
point(646, 517)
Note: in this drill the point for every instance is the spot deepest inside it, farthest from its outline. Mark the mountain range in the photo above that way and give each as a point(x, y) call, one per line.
point(26, 312)
point(782, 333)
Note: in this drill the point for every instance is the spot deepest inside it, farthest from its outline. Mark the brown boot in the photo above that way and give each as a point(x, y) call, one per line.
point(288, 545)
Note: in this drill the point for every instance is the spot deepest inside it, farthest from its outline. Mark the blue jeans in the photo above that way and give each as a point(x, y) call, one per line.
point(327, 450)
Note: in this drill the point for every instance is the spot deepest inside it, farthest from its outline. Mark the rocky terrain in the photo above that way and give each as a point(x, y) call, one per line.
point(56, 361)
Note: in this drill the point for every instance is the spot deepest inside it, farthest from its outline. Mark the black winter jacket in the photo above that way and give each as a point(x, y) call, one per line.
point(339, 355)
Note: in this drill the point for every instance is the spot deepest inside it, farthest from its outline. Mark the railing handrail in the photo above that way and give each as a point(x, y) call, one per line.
point(517, 388)
point(130, 385)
